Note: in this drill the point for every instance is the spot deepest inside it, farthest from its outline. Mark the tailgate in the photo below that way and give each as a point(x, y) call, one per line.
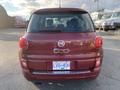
point(81, 46)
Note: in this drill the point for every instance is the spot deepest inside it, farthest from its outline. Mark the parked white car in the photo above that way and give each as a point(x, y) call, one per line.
point(96, 16)
point(111, 23)
point(98, 23)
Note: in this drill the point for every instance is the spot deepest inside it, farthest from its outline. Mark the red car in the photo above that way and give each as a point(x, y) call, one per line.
point(60, 44)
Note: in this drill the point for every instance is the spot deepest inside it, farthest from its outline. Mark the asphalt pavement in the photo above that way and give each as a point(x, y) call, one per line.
point(11, 77)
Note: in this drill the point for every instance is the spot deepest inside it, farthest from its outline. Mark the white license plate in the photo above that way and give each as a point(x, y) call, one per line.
point(61, 65)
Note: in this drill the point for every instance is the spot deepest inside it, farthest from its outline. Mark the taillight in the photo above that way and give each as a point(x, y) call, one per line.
point(98, 41)
point(23, 43)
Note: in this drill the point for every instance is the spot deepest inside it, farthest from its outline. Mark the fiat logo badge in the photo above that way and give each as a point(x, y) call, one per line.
point(61, 43)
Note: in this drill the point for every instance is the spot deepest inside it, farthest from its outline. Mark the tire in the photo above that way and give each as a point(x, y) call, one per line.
point(106, 30)
point(37, 82)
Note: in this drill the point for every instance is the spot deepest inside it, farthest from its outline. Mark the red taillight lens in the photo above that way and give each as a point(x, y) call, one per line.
point(23, 43)
point(98, 41)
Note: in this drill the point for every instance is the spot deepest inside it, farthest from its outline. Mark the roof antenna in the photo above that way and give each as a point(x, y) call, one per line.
point(60, 3)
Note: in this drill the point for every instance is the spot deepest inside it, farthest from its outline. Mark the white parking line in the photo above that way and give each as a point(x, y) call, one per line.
point(115, 49)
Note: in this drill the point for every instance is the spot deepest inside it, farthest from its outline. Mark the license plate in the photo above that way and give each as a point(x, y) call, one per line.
point(61, 65)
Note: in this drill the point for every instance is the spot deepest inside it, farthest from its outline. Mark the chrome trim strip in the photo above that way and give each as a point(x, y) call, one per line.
point(59, 72)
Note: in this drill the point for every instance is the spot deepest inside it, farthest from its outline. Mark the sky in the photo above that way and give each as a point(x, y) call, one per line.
point(26, 7)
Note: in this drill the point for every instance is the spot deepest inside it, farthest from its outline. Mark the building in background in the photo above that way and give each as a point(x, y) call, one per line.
point(5, 20)
point(20, 22)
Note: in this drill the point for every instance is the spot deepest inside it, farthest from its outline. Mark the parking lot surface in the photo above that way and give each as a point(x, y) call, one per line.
point(11, 77)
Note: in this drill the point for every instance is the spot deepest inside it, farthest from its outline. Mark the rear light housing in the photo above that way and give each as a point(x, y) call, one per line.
point(98, 42)
point(23, 43)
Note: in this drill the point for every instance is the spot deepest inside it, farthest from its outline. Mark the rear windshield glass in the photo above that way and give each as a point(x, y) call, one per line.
point(61, 22)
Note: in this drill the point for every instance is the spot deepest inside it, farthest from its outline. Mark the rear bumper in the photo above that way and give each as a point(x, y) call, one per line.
point(80, 68)
point(63, 75)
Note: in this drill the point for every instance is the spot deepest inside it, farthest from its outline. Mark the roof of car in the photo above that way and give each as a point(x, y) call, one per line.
point(59, 10)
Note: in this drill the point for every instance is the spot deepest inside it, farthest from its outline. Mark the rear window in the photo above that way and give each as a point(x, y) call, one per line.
point(61, 22)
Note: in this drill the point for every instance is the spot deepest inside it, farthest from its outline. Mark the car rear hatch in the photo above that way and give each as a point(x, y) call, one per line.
point(41, 50)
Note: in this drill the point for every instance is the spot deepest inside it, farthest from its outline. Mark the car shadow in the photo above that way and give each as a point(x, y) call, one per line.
point(68, 85)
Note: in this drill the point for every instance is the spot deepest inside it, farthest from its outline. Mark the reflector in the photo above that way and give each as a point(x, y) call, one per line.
point(98, 41)
point(23, 43)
